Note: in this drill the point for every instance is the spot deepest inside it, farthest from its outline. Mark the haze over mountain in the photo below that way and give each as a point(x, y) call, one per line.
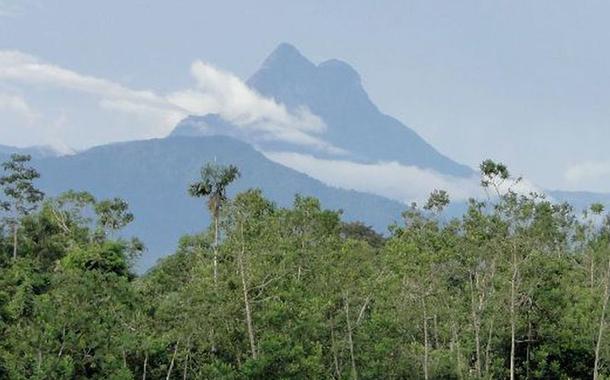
point(325, 103)
point(333, 92)
point(34, 151)
point(476, 80)
point(153, 176)
point(349, 143)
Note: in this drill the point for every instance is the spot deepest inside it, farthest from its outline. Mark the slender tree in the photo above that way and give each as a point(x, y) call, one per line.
point(597, 209)
point(22, 196)
point(213, 185)
point(496, 176)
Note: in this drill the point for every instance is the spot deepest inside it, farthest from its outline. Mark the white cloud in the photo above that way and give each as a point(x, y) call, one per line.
point(16, 104)
point(156, 114)
point(390, 179)
point(240, 104)
point(26, 69)
point(587, 170)
point(225, 94)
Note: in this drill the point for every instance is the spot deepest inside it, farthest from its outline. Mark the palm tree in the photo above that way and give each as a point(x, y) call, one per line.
point(213, 185)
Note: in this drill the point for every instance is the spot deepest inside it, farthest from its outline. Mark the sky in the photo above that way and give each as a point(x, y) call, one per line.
point(523, 82)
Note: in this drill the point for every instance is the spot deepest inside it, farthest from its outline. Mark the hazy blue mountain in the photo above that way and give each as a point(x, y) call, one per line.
point(333, 91)
point(41, 151)
point(153, 176)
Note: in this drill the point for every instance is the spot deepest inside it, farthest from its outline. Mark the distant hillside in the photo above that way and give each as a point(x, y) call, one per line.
point(153, 176)
point(34, 151)
point(333, 91)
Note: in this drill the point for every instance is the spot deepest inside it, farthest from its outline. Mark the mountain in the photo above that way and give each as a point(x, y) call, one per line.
point(332, 91)
point(153, 176)
point(41, 151)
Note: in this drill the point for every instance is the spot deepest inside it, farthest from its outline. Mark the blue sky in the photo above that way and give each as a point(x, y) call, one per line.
point(525, 82)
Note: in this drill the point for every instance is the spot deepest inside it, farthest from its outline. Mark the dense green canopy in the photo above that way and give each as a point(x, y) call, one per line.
point(517, 287)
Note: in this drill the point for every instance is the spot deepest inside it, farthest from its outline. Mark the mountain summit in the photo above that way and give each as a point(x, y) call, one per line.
point(287, 57)
point(333, 91)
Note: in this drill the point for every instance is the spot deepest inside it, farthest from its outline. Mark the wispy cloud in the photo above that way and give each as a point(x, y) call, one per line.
point(26, 69)
point(17, 104)
point(225, 94)
point(215, 91)
point(390, 179)
point(587, 170)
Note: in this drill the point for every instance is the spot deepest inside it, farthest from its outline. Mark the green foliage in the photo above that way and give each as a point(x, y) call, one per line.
point(22, 197)
point(113, 214)
point(213, 184)
point(17, 184)
point(296, 293)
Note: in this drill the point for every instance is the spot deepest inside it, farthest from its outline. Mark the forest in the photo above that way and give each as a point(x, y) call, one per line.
point(515, 288)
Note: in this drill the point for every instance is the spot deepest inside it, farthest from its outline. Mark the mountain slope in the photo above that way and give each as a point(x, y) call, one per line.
point(333, 91)
point(34, 151)
point(153, 176)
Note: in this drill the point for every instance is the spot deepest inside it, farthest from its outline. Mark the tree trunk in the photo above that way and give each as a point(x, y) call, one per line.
point(246, 298)
point(602, 322)
point(529, 343)
point(513, 295)
point(145, 366)
point(334, 350)
point(216, 215)
point(591, 270)
point(63, 342)
point(436, 340)
point(350, 338)
point(15, 228)
point(186, 361)
point(38, 368)
point(171, 364)
point(216, 238)
point(488, 350)
point(476, 326)
point(426, 344)
point(458, 353)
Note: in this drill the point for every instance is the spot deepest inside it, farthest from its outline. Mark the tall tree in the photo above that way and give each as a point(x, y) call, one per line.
point(496, 176)
point(213, 184)
point(22, 196)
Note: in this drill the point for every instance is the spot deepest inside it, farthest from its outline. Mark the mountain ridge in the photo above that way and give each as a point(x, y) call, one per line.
point(333, 91)
point(153, 176)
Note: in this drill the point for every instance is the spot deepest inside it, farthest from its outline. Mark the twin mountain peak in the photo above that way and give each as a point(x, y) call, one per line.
point(333, 91)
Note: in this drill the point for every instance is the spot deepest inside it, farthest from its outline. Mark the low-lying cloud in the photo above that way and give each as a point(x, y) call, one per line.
point(589, 174)
point(391, 179)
